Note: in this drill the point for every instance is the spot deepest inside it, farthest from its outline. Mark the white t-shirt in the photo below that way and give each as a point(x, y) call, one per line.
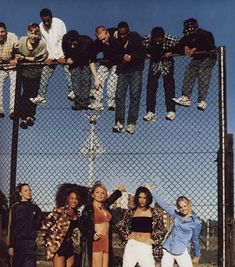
point(53, 37)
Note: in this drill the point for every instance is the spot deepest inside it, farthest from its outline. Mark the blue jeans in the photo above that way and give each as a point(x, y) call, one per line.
point(133, 81)
point(47, 72)
point(201, 70)
point(81, 81)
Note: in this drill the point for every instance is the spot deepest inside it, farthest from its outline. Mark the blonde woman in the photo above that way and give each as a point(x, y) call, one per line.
point(185, 230)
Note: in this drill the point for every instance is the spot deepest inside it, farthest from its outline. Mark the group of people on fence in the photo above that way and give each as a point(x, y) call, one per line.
point(141, 229)
point(124, 54)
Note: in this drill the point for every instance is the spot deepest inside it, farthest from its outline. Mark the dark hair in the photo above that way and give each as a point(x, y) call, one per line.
point(123, 24)
point(148, 194)
point(190, 25)
point(3, 25)
point(15, 196)
point(45, 12)
point(99, 28)
point(157, 32)
point(72, 35)
point(65, 189)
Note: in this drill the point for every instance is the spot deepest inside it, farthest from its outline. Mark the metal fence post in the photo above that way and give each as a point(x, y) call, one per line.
point(222, 214)
point(15, 130)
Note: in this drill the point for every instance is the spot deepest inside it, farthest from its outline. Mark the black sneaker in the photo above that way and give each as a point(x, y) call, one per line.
point(79, 106)
point(23, 124)
point(12, 116)
point(2, 115)
point(30, 121)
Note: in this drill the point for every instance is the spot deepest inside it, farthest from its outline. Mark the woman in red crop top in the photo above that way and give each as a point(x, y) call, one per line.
point(143, 231)
point(95, 227)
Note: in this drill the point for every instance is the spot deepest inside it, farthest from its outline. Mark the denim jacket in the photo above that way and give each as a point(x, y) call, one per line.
point(183, 233)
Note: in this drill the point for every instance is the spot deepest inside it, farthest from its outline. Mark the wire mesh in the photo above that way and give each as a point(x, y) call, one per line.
point(175, 157)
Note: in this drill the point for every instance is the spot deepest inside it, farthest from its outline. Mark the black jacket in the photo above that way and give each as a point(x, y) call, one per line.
point(82, 54)
point(25, 219)
point(202, 40)
point(87, 228)
point(109, 50)
point(135, 49)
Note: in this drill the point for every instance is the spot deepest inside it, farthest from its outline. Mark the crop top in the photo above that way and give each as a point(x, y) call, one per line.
point(141, 224)
point(100, 217)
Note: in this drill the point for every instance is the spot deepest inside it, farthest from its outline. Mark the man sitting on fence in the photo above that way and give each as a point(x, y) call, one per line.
point(157, 45)
point(8, 45)
point(106, 71)
point(77, 51)
point(129, 69)
point(198, 44)
point(52, 31)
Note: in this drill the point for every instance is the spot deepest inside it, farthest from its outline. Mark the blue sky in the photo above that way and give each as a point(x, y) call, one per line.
point(214, 15)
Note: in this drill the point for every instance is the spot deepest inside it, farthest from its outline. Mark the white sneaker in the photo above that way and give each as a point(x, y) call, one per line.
point(183, 101)
point(93, 93)
point(130, 128)
point(96, 106)
point(170, 115)
point(150, 116)
point(201, 105)
point(38, 100)
point(71, 96)
point(111, 105)
point(118, 128)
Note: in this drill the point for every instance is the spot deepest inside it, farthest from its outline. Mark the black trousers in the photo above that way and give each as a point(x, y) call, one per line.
point(30, 90)
point(24, 253)
point(152, 86)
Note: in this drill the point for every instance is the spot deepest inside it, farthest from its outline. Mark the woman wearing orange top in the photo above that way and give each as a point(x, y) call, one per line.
point(95, 227)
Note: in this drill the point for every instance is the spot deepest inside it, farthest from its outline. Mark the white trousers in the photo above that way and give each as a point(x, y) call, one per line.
point(183, 260)
point(12, 75)
point(138, 252)
point(105, 74)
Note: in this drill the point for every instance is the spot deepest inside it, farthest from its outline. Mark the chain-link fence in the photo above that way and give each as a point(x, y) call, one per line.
point(176, 157)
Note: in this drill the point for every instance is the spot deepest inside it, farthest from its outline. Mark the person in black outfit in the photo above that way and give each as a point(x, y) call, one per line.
point(200, 45)
point(24, 221)
point(106, 71)
point(77, 51)
point(157, 46)
point(129, 69)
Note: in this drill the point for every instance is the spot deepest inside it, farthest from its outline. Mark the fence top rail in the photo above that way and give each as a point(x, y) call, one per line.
point(4, 65)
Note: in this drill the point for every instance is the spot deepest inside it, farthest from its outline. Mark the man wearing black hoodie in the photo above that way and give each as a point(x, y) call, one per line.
point(200, 45)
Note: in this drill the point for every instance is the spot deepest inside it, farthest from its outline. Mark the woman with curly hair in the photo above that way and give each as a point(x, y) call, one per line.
point(24, 221)
point(142, 230)
point(95, 226)
point(61, 226)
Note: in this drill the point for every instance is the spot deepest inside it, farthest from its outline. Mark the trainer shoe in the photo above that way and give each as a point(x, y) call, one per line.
point(170, 115)
point(201, 105)
point(23, 124)
point(38, 100)
point(150, 116)
point(2, 114)
point(71, 96)
point(79, 106)
point(130, 128)
point(30, 121)
point(92, 94)
point(118, 128)
point(183, 101)
point(111, 105)
point(96, 106)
